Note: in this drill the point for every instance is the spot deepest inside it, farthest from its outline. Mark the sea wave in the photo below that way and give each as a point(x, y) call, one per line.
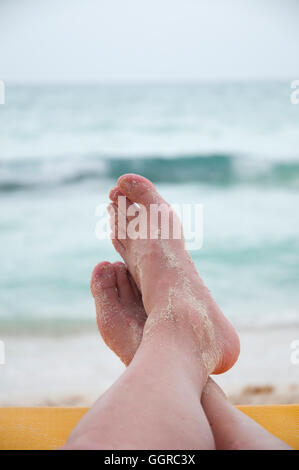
point(214, 169)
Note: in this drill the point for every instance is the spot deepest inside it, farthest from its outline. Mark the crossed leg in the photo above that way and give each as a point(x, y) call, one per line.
point(121, 323)
point(156, 404)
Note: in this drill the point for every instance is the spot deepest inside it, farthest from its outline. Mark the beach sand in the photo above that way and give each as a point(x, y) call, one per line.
point(74, 370)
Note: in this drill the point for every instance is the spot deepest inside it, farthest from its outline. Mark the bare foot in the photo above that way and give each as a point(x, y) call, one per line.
point(174, 296)
point(120, 313)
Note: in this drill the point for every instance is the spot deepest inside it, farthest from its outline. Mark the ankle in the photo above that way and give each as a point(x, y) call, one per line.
point(174, 346)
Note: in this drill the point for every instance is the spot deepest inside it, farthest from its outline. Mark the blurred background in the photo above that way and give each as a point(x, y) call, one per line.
point(194, 95)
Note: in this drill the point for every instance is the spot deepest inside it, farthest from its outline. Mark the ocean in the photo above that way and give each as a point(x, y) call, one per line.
point(233, 147)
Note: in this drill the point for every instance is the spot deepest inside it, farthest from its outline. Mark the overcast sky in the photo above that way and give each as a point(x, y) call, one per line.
point(137, 40)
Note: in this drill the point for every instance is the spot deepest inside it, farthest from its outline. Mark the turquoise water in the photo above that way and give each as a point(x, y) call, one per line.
point(232, 147)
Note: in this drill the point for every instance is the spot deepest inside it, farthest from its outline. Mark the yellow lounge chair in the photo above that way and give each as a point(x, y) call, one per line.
point(48, 428)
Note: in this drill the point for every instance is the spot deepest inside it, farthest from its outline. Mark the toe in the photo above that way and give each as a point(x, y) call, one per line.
point(117, 222)
point(139, 189)
point(125, 291)
point(103, 284)
point(115, 193)
point(123, 204)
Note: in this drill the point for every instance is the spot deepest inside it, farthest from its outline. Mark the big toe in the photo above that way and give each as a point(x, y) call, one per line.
point(103, 283)
point(139, 189)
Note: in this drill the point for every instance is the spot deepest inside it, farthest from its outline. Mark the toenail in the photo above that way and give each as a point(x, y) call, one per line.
point(100, 272)
point(106, 269)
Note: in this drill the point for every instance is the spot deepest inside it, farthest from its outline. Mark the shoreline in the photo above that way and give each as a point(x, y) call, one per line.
point(75, 369)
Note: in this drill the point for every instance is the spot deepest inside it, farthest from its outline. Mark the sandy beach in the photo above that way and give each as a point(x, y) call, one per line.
point(73, 370)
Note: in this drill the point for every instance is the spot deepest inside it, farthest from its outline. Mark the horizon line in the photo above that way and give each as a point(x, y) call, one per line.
point(67, 82)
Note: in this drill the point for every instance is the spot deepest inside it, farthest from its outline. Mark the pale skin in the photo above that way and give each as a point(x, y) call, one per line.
point(157, 315)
